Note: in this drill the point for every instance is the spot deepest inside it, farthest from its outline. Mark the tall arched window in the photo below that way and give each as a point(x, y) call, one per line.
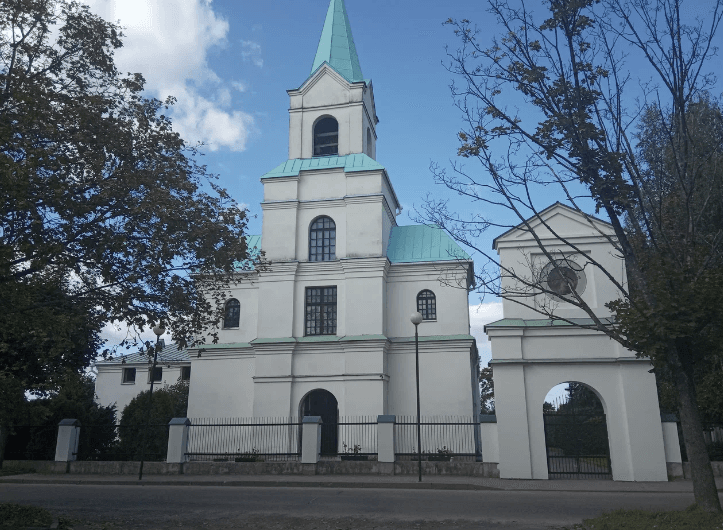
point(322, 240)
point(231, 314)
point(427, 304)
point(369, 143)
point(326, 137)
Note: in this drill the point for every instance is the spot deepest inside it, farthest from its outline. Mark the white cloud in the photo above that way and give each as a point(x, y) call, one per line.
point(240, 86)
point(479, 316)
point(251, 51)
point(168, 42)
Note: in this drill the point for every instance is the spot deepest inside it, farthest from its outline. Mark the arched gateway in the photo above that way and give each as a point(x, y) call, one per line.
point(323, 403)
point(576, 434)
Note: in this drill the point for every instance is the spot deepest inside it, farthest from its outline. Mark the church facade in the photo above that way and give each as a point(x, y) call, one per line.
point(326, 324)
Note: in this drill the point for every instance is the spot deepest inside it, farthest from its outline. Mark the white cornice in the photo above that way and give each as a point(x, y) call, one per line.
point(322, 378)
point(575, 360)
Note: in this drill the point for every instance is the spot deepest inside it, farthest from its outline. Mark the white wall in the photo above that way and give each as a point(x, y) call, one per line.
point(110, 389)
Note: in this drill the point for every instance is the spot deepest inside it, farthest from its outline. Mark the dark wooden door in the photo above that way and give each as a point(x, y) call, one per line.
point(323, 403)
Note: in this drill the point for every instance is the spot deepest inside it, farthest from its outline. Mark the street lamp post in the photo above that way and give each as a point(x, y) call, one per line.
point(416, 320)
point(158, 330)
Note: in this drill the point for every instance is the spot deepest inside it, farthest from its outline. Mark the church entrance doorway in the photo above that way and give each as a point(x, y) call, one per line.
point(576, 434)
point(323, 403)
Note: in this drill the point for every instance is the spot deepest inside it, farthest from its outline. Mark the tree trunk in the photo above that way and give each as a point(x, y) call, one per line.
point(704, 488)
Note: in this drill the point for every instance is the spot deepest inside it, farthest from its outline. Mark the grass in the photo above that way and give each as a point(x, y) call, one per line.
point(21, 516)
point(692, 518)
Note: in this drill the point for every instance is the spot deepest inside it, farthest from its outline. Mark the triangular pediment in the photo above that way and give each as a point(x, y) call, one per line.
point(325, 74)
point(557, 221)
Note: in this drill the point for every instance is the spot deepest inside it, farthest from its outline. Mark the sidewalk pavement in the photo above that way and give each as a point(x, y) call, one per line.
point(441, 482)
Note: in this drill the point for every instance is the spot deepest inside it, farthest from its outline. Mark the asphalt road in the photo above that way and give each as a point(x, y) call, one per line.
point(302, 508)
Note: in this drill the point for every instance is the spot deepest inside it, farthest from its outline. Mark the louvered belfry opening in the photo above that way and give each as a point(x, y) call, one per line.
point(326, 137)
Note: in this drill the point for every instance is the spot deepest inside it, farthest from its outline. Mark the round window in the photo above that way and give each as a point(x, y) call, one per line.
point(563, 276)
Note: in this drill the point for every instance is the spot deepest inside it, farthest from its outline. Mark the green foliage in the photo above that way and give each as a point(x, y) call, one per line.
point(487, 391)
point(21, 516)
point(105, 211)
point(692, 518)
point(146, 418)
point(75, 400)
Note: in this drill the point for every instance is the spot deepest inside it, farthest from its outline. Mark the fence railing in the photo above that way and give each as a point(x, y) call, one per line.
point(351, 438)
point(442, 437)
point(713, 435)
point(244, 439)
point(31, 442)
point(123, 442)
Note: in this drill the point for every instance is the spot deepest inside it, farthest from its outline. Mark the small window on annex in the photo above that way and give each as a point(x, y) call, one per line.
point(427, 304)
point(231, 314)
point(129, 376)
point(157, 374)
point(185, 373)
point(322, 239)
point(320, 311)
point(326, 137)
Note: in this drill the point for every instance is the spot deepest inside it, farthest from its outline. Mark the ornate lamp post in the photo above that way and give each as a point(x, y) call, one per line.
point(416, 320)
point(158, 330)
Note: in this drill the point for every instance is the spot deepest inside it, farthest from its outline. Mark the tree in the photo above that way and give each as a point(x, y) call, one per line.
point(106, 214)
point(487, 390)
point(141, 415)
point(563, 99)
point(75, 399)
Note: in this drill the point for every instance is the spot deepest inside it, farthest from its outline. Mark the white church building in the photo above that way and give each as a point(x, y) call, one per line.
point(324, 328)
point(327, 323)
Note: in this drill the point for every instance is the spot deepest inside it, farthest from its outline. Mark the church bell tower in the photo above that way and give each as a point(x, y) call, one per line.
point(332, 112)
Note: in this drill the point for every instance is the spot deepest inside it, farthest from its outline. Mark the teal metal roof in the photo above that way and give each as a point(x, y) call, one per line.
point(253, 247)
point(350, 163)
point(409, 244)
point(336, 45)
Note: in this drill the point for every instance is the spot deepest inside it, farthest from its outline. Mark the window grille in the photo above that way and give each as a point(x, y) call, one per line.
point(322, 240)
point(231, 315)
point(320, 311)
point(427, 305)
point(326, 137)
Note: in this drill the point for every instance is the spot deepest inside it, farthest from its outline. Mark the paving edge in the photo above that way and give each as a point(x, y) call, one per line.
point(320, 484)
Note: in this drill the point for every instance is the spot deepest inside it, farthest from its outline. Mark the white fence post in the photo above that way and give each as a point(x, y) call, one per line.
point(177, 440)
point(385, 438)
point(66, 448)
point(310, 439)
point(488, 437)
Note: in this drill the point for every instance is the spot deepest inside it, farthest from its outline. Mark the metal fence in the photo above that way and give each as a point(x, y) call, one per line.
point(350, 438)
point(244, 439)
point(713, 435)
point(443, 437)
point(31, 442)
point(123, 442)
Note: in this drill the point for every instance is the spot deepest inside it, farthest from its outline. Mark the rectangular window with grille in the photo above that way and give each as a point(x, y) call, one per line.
point(320, 311)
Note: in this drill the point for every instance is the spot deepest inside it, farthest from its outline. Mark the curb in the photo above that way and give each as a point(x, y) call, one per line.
point(326, 484)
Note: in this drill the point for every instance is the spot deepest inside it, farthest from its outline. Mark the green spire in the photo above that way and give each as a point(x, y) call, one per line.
point(336, 45)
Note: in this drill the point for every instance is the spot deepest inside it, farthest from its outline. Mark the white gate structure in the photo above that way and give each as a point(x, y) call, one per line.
point(534, 352)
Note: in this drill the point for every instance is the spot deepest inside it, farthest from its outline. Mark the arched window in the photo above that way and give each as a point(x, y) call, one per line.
point(427, 304)
point(322, 240)
point(326, 137)
point(369, 143)
point(232, 313)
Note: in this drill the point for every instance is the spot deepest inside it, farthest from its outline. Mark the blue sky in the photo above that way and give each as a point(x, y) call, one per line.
point(230, 62)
